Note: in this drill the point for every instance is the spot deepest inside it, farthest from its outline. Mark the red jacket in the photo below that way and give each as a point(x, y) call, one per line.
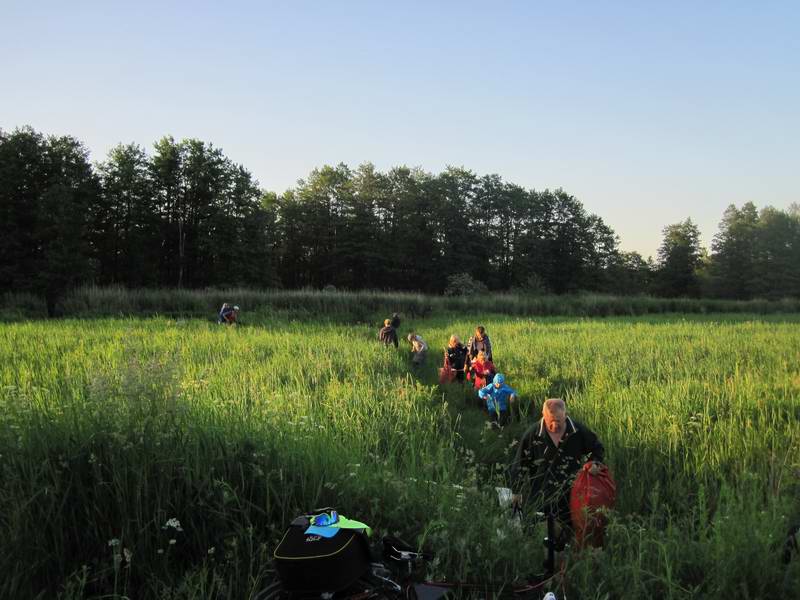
point(481, 372)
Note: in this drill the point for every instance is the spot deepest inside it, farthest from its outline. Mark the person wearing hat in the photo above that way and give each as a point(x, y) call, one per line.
point(499, 398)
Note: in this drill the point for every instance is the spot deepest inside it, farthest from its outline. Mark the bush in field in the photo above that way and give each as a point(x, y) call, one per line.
point(463, 284)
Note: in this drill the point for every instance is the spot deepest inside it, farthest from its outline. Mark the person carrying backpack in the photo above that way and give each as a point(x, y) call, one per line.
point(388, 334)
point(228, 314)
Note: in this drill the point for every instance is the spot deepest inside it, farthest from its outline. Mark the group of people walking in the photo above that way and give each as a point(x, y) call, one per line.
point(552, 450)
point(471, 362)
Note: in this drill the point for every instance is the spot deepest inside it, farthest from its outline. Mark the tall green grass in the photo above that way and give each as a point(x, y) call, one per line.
point(361, 306)
point(111, 428)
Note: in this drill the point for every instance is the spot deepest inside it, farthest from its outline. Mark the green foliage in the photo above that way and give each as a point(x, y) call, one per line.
point(188, 216)
point(112, 428)
point(756, 254)
point(462, 284)
point(362, 306)
point(678, 259)
point(47, 188)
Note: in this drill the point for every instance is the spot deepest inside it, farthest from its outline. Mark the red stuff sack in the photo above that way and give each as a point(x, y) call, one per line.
point(589, 499)
point(446, 374)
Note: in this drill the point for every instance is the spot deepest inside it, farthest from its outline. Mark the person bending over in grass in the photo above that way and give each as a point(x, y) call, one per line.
point(388, 335)
point(549, 456)
point(500, 399)
point(228, 314)
point(419, 349)
point(455, 356)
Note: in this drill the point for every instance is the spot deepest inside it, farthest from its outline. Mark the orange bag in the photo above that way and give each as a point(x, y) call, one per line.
point(446, 374)
point(589, 499)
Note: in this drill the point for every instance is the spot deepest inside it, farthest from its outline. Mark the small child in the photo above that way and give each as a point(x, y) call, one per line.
point(481, 371)
point(499, 398)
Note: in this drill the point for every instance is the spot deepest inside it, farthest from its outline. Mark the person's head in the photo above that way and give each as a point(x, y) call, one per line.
point(480, 331)
point(498, 380)
point(411, 337)
point(225, 305)
point(481, 356)
point(395, 316)
point(387, 322)
point(554, 412)
point(236, 309)
point(454, 341)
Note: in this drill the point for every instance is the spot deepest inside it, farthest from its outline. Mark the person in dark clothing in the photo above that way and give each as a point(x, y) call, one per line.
point(456, 356)
point(388, 334)
point(395, 321)
point(549, 456)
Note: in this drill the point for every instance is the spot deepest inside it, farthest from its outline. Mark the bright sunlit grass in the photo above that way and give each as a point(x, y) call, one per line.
point(113, 430)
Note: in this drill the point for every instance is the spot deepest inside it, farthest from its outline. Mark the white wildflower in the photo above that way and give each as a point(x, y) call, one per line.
point(173, 523)
point(172, 542)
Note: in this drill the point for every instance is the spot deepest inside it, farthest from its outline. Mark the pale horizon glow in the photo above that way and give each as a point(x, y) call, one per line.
point(647, 113)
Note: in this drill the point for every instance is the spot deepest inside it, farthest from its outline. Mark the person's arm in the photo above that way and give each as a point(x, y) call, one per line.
point(592, 446)
point(517, 467)
point(394, 338)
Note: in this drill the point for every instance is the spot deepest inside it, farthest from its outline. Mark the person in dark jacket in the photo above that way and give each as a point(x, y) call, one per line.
point(395, 321)
point(549, 456)
point(388, 334)
point(456, 356)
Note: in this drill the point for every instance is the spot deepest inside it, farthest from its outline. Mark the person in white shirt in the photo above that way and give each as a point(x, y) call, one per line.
point(419, 349)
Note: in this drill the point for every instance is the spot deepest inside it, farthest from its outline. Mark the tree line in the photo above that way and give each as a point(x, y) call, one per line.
point(187, 216)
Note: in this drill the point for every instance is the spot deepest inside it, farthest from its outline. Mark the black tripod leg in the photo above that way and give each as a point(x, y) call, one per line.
point(550, 544)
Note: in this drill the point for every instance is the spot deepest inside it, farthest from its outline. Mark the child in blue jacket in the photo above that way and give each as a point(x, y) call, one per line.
point(499, 398)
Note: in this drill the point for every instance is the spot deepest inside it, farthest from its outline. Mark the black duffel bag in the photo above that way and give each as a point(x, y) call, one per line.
point(313, 563)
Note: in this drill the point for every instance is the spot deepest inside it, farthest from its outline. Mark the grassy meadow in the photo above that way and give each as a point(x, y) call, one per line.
point(162, 457)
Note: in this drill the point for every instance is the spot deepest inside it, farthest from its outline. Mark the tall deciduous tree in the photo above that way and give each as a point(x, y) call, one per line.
point(125, 223)
point(734, 260)
point(678, 258)
point(47, 188)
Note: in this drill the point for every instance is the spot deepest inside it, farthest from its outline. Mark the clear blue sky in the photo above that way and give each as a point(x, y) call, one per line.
point(648, 112)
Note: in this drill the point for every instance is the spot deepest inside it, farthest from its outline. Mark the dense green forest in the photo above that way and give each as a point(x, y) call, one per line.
point(187, 216)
